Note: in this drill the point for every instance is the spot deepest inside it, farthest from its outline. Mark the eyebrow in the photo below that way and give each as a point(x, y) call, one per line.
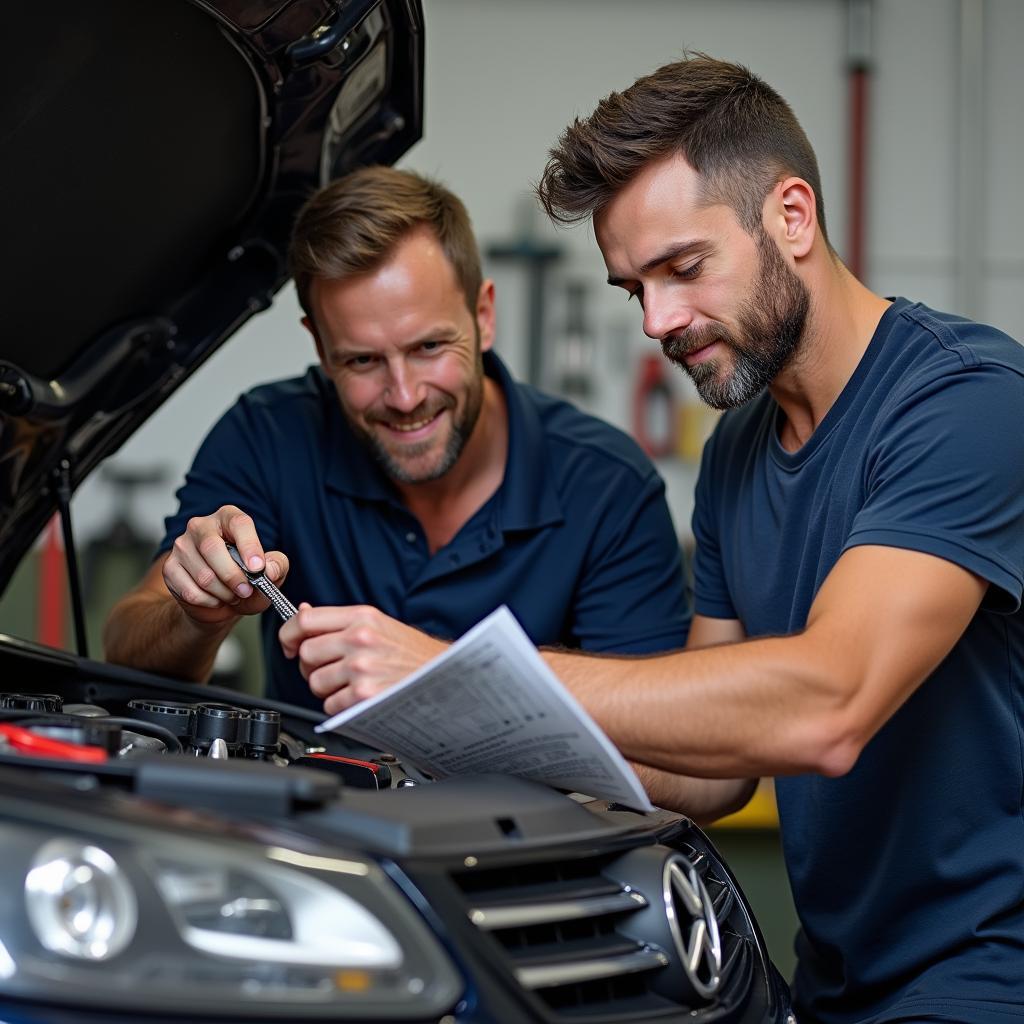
point(673, 252)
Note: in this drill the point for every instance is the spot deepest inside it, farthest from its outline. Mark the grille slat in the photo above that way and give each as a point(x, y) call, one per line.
point(513, 914)
point(599, 946)
point(576, 972)
point(535, 892)
point(570, 933)
point(722, 902)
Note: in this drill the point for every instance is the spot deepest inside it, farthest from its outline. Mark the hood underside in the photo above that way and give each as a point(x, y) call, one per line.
point(152, 159)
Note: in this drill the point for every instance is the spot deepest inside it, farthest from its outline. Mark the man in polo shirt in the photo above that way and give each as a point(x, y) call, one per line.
point(406, 481)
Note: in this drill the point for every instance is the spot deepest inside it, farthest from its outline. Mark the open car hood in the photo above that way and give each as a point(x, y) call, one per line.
point(152, 159)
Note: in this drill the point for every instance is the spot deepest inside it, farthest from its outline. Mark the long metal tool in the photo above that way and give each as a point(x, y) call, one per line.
point(269, 590)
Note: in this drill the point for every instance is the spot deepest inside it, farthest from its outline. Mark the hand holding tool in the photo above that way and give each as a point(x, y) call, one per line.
point(263, 584)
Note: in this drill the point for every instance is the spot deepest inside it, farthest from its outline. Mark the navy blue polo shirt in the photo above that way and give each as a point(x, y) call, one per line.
point(908, 871)
point(577, 540)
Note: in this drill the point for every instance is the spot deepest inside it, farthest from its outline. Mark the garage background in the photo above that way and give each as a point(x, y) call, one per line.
point(915, 109)
point(943, 211)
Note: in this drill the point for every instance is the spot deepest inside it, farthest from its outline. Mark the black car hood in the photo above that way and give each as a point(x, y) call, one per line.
point(152, 159)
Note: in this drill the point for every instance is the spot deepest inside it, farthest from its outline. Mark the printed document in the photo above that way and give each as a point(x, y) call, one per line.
point(490, 703)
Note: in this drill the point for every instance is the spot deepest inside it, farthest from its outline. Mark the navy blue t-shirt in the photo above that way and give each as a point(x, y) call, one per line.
point(577, 540)
point(908, 872)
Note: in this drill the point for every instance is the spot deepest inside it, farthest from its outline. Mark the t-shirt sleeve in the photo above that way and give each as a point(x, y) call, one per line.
point(631, 598)
point(946, 477)
point(710, 592)
point(229, 469)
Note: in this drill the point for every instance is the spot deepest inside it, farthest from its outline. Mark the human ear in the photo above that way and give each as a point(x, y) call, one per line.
point(798, 212)
point(311, 327)
point(485, 314)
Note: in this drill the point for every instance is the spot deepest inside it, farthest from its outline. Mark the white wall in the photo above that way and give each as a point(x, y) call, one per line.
point(504, 78)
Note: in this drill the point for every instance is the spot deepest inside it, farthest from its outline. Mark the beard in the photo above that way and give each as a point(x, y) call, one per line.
point(770, 327)
point(407, 465)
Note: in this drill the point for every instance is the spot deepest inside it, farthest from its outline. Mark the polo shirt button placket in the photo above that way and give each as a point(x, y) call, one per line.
point(489, 542)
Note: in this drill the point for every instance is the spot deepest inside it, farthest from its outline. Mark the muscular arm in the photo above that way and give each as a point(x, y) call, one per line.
point(882, 621)
point(704, 800)
point(349, 654)
point(148, 629)
point(729, 710)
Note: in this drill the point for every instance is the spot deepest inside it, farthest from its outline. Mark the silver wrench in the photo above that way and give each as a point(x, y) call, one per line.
point(269, 590)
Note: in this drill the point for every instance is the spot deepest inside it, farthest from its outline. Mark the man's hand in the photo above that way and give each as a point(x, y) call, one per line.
point(204, 579)
point(347, 654)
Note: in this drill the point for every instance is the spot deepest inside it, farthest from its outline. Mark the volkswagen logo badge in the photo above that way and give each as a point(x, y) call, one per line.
point(691, 917)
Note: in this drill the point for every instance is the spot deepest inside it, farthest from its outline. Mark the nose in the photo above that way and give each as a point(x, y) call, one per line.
point(402, 392)
point(664, 314)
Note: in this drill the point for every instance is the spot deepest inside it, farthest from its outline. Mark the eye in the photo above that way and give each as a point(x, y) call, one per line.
point(636, 293)
point(690, 272)
point(359, 362)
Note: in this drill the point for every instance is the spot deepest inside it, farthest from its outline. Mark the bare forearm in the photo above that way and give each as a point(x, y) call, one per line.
point(881, 622)
point(150, 632)
point(730, 712)
point(703, 800)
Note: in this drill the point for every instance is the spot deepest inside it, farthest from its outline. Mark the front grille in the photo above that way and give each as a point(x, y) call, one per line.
point(557, 924)
point(734, 927)
point(591, 941)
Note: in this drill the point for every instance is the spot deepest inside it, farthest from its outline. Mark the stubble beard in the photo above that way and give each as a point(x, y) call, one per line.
point(771, 326)
point(402, 468)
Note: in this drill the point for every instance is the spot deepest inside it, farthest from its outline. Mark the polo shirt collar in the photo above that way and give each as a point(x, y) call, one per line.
point(527, 498)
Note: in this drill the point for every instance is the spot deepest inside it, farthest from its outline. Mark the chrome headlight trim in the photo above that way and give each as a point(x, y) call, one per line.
point(79, 901)
point(331, 929)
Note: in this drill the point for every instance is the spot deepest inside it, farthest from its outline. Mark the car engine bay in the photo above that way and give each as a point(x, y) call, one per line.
point(153, 822)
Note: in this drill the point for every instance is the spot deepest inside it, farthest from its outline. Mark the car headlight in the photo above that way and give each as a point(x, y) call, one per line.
point(137, 919)
point(78, 901)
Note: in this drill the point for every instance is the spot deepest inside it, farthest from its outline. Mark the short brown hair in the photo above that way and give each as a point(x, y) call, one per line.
point(736, 132)
point(353, 225)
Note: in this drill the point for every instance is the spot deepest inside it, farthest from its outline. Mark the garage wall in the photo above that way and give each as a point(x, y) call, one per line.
point(946, 214)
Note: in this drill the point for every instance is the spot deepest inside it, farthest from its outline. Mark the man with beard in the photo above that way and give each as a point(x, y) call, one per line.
point(407, 478)
point(859, 521)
